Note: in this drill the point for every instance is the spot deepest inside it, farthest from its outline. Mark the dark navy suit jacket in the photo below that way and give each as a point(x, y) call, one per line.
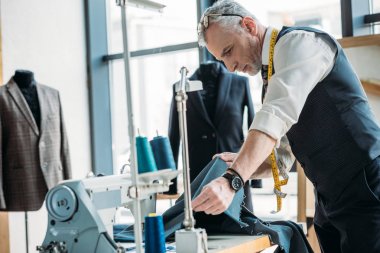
point(211, 135)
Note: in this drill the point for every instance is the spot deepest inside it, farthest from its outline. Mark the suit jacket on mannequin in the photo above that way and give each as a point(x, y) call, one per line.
point(210, 135)
point(222, 132)
point(33, 160)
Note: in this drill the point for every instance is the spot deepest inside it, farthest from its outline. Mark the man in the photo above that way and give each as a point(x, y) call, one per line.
point(314, 98)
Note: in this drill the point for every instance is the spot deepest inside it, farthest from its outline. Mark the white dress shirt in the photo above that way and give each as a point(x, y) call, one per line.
point(301, 60)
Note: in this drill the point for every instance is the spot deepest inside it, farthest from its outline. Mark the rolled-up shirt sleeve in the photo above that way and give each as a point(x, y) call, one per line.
point(301, 60)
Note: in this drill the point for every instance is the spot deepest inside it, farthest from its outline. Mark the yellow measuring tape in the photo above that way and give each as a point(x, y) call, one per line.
point(277, 182)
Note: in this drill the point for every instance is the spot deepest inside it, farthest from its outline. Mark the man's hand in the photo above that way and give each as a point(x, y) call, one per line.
point(228, 157)
point(215, 197)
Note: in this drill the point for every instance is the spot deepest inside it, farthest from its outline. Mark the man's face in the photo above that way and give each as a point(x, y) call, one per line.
point(239, 50)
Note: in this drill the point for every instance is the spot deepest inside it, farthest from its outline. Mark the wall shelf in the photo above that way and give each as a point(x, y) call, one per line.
point(360, 41)
point(371, 87)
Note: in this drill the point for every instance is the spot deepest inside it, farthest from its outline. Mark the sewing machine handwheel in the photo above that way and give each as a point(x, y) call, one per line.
point(61, 203)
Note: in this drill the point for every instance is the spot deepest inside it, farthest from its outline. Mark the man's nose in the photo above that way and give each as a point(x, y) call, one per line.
point(231, 66)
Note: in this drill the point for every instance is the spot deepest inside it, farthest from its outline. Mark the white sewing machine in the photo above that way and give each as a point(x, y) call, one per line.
point(81, 213)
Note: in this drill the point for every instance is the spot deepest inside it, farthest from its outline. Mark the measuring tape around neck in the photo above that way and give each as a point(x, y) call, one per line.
point(275, 171)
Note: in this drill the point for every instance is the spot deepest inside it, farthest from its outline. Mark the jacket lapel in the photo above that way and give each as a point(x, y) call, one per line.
point(223, 91)
point(19, 99)
point(197, 101)
point(42, 98)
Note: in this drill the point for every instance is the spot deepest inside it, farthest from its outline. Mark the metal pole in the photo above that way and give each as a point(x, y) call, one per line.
point(181, 98)
point(26, 232)
point(131, 129)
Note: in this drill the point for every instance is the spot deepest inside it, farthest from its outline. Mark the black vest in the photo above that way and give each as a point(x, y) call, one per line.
point(336, 135)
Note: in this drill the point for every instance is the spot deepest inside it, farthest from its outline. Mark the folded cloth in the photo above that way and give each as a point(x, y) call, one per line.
point(237, 219)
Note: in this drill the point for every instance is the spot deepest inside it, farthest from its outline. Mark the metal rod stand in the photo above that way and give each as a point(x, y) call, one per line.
point(188, 240)
point(131, 129)
point(181, 98)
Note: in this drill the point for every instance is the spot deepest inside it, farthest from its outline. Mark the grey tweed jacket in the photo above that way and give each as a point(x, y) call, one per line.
point(32, 160)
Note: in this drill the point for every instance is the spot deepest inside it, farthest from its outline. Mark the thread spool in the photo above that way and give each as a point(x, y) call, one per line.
point(145, 158)
point(163, 154)
point(154, 234)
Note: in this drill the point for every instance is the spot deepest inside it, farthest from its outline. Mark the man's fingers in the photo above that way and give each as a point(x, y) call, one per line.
point(214, 198)
point(209, 206)
point(216, 155)
point(212, 209)
point(216, 211)
point(226, 156)
point(201, 199)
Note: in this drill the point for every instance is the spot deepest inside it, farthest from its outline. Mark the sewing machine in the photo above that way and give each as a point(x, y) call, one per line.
point(81, 213)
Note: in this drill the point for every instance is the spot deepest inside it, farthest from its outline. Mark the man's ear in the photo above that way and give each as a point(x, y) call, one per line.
point(249, 24)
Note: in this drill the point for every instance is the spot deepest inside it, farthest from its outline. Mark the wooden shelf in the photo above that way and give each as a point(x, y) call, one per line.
point(167, 196)
point(237, 243)
point(371, 87)
point(360, 41)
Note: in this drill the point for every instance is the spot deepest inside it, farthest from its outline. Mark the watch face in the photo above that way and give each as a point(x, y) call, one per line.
point(236, 183)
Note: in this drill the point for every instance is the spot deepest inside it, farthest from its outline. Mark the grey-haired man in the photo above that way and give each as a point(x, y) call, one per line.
point(315, 99)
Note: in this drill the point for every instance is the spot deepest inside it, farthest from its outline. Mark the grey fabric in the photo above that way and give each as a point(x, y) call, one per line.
point(32, 160)
point(235, 220)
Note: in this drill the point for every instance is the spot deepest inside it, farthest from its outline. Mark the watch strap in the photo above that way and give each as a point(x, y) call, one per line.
point(230, 177)
point(236, 173)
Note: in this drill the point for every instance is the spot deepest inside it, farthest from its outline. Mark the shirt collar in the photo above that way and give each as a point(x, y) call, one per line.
point(266, 45)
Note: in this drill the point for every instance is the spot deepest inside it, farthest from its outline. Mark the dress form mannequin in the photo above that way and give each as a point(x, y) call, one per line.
point(24, 78)
point(34, 153)
point(27, 84)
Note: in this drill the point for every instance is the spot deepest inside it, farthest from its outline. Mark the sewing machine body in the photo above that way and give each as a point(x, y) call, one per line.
point(81, 213)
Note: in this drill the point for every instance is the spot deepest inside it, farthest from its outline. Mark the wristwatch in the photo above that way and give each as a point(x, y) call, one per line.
point(235, 181)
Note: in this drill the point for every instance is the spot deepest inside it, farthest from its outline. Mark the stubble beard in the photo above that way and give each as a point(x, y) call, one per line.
point(255, 56)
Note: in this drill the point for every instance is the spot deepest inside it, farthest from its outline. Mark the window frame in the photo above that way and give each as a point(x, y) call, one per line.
point(356, 16)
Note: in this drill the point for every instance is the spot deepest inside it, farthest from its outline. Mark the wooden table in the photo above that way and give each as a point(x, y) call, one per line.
point(230, 244)
point(237, 243)
point(167, 196)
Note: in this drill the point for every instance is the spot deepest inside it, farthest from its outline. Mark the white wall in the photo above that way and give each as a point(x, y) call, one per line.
point(365, 61)
point(48, 38)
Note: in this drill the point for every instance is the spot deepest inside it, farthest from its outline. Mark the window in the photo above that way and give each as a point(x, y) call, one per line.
point(324, 14)
point(376, 6)
point(376, 9)
point(149, 29)
point(152, 76)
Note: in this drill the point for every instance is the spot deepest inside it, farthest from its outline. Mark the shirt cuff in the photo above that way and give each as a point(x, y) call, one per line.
point(270, 124)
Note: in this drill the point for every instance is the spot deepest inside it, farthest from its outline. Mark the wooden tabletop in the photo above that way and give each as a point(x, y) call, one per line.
point(237, 243)
point(228, 244)
point(167, 196)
